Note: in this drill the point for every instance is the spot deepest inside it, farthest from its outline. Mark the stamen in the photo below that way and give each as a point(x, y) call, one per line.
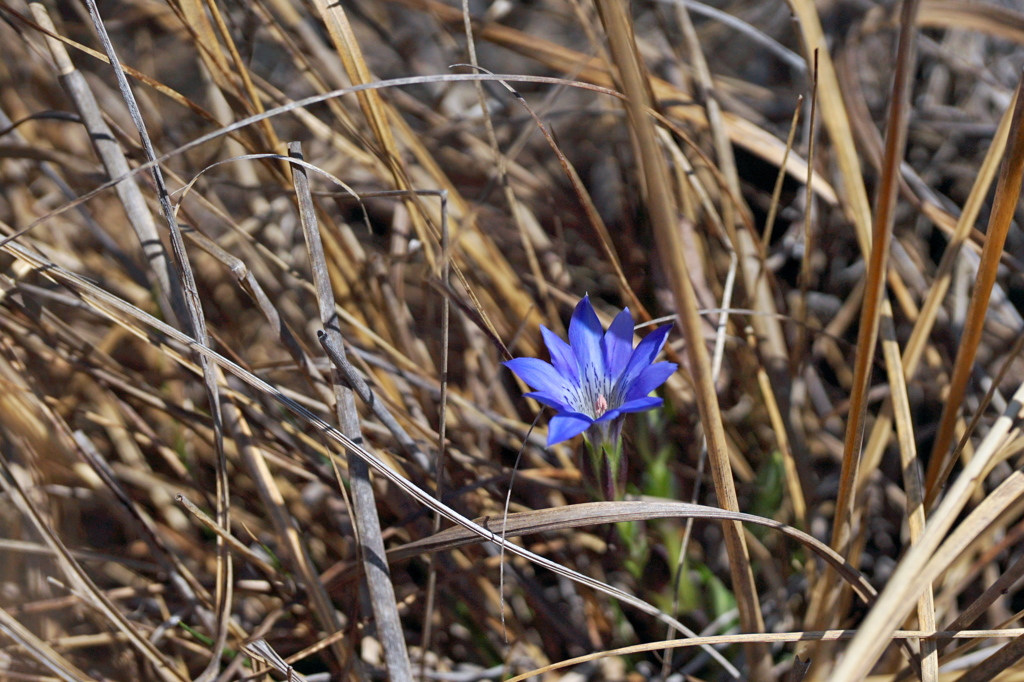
point(600, 405)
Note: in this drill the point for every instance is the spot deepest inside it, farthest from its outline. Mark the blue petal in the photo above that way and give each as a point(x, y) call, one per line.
point(585, 338)
point(550, 400)
point(562, 356)
point(638, 405)
point(649, 379)
point(617, 344)
point(608, 416)
point(565, 425)
point(641, 404)
point(539, 374)
point(645, 353)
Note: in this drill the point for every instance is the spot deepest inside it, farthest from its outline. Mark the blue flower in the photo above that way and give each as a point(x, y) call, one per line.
point(597, 378)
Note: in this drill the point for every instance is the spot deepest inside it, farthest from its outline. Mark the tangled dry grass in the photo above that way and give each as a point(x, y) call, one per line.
point(199, 482)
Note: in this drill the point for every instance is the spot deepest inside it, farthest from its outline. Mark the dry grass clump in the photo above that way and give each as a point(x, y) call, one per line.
point(261, 263)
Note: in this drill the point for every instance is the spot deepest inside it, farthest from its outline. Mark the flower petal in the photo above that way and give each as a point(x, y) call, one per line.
point(640, 404)
point(608, 416)
point(562, 356)
point(617, 344)
point(565, 425)
point(550, 400)
point(649, 379)
point(644, 355)
point(539, 375)
point(585, 338)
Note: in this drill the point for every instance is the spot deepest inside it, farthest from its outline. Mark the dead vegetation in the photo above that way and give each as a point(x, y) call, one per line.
point(199, 484)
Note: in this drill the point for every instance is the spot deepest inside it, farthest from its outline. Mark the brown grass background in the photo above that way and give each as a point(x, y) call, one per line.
point(177, 500)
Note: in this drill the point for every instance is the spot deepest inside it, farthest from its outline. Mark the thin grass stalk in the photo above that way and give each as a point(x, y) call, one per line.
point(912, 485)
point(112, 156)
point(1004, 205)
point(796, 492)
point(501, 167)
point(237, 545)
point(925, 560)
point(324, 97)
point(1002, 659)
point(106, 303)
point(103, 236)
point(197, 325)
point(716, 367)
point(773, 207)
point(587, 202)
point(966, 431)
point(768, 638)
point(375, 110)
point(821, 611)
point(836, 121)
point(251, 94)
point(735, 212)
point(442, 427)
point(378, 578)
point(875, 245)
point(917, 343)
point(42, 652)
point(180, 576)
point(289, 539)
point(666, 228)
point(80, 581)
point(723, 147)
point(595, 71)
point(542, 289)
point(992, 593)
point(805, 260)
point(196, 21)
point(874, 305)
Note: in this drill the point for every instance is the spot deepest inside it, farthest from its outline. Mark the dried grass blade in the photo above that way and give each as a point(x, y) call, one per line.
point(993, 592)
point(261, 650)
point(742, 132)
point(836, 121)
point(39, 650)
point(793, 484)
point(1003, 22)
point(597, 513)
point(833, 111)
point(589, 208)
point(374, 109)
point(767, 638)
point(735, 212)
point(107, 304)
point(236, 544)
point(112, 156)
point(316, 99)
point(912, 485)
point(1002, 659)
point(180, 576)
point(163, 89)
point(197, 324)
point(80, 580)
point(637, 88)
point(382, 593)
point(927, 559)
point(251, 93)
point(773, 207)
point(918, 341)
point(874, 306)
point(1004, 205)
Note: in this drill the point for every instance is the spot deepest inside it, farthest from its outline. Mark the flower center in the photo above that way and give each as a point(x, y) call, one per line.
point(600, 405)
